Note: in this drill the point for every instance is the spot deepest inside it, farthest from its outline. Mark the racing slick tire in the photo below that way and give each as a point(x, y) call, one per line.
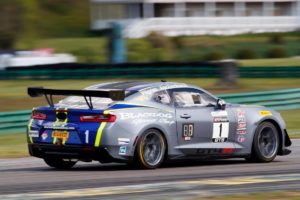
point(59, 163)
point(265, 143)
point(150, 150)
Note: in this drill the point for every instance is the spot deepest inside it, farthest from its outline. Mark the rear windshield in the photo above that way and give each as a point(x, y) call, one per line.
point(78, 102)
point(98, 102)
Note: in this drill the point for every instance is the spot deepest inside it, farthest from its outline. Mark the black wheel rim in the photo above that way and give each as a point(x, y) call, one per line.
point(153, 147)
point(267, 141)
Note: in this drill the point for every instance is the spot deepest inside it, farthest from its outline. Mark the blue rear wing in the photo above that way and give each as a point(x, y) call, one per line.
point(115, 95)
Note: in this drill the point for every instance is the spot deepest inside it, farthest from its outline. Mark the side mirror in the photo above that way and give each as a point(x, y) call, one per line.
point(221, 104)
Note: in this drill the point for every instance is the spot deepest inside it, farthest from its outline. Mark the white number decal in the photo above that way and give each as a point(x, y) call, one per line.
point(220, 132)
point(87, 136)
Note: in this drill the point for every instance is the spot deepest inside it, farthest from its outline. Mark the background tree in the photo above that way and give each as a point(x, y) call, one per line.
point(10, 22)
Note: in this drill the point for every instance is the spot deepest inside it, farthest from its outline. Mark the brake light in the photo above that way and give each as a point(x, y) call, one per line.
point(98, 118)
point(38, 115)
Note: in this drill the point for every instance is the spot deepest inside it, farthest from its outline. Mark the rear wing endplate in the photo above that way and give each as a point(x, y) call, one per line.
point(115, 95)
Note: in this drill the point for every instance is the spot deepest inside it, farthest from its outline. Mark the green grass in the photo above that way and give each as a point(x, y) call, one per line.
point(13, 145)
point(279, 62)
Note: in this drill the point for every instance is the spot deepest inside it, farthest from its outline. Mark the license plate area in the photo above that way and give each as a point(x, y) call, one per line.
point(64, 135)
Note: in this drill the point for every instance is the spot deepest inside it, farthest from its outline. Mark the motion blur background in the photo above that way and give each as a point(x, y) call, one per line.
point(226, 46)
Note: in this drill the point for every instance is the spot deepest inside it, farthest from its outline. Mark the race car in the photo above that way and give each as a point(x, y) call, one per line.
point(148, 123)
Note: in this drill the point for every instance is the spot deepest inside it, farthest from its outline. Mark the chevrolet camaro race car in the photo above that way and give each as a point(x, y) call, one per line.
point(148, 123)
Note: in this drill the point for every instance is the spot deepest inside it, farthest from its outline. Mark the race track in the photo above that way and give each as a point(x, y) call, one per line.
point(30, 178)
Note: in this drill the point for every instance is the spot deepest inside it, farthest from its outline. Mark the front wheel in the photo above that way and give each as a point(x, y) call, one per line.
point(59, 163)
point(265, 143)
point(151, 149)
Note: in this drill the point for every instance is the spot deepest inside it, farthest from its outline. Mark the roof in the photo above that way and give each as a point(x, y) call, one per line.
point(136, 85)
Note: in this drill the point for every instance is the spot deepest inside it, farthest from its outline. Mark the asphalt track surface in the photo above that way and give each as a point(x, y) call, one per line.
point(30, 178)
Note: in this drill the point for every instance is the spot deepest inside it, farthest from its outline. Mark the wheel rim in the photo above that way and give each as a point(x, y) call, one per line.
point(268, 142)
point(153, 148)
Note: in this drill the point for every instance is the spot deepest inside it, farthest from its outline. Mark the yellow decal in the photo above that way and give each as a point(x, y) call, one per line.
point(265, 113)
point(57, 122)
point(100, 130)
point(60, 134)
point(29, 128)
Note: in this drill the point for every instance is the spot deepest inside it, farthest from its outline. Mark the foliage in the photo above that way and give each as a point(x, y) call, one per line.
point(276, 38)
point(246, 53)
point(276, 52)
point(10, 20)
point(214, 56)
point(139, 51)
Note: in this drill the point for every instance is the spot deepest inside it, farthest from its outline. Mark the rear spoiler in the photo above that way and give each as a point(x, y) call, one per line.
point(116, 95)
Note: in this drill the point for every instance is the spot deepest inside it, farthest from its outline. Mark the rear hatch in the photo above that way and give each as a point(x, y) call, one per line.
point(66, 126)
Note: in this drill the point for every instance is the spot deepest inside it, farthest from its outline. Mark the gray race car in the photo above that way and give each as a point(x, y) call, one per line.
point(147, 123)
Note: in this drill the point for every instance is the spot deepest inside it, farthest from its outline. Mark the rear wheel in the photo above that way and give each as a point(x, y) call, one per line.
point(59, 163)
point(265, 143)
point(151, 149)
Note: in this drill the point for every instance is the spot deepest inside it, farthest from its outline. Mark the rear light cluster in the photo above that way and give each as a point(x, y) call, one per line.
point(38, 115)
point(98, 118)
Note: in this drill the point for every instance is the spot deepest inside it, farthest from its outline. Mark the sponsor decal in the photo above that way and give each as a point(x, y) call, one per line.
point(59, 126)
point(60, 135)
point(241, 132)
point(122, 150)
point(241, 125)
point(265, 113)
point(220, 126)
point(219, 113)
point(123, 141)
point(241, 138)
point(44, 135)
point(187, 131)
point(33, 134)
point(139, 118)
point(145, 115)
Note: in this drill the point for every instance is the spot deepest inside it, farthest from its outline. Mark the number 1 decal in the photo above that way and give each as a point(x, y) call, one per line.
point(87, 136)
point(220, 126)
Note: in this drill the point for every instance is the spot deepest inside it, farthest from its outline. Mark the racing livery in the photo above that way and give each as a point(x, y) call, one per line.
point(148, 123)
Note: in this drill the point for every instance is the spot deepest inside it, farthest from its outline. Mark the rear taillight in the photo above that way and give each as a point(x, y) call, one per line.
point(38, 115)
point(98, 118)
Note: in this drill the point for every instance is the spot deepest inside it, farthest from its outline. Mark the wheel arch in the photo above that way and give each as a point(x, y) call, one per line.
point(279, 130)
point(159, 130)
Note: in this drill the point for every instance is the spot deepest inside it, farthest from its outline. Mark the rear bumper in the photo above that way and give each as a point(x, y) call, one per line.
point(71, 152)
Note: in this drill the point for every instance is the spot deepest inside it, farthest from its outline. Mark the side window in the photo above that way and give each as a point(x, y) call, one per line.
point(162, 97)
point(188, 97)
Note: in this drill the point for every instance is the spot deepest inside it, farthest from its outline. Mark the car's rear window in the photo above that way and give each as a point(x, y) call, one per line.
point(77, 102)
point(98, 102)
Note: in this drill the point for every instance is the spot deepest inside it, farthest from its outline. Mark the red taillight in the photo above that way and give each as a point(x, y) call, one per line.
point(98, 118)
point(38, 115)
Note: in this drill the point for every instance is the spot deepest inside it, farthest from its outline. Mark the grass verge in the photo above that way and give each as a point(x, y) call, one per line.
point(278, 62)
point(13, 145)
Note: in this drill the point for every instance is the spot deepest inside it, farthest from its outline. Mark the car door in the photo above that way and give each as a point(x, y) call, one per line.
point(201, 126)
